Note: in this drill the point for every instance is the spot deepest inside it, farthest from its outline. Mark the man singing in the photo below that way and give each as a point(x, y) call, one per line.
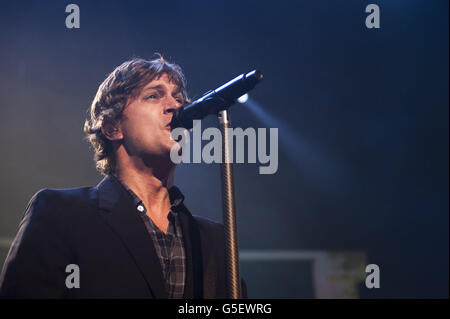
point(130, 236)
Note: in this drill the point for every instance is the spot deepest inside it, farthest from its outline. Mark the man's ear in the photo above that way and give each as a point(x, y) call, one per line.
point(112, 132)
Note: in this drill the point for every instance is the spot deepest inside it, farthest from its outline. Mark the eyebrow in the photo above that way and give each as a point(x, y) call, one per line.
point(161, 87)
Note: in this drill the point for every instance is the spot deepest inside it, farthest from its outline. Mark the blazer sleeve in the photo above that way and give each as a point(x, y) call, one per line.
point(37, 259)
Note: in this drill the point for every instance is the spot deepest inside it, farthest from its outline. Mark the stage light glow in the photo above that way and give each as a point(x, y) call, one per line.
point(243, 98)
point(311, 159)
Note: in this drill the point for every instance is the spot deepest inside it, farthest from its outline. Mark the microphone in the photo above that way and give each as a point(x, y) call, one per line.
point(214, 101)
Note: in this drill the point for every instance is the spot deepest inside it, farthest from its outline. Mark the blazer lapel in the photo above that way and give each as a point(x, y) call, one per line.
point(194, 267)
point(117, 208)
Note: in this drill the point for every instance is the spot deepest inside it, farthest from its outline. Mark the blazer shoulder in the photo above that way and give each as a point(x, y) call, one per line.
point(48, 201)
point(66, 195)
point(209, 228)
point(207, 223)
point(34, 267)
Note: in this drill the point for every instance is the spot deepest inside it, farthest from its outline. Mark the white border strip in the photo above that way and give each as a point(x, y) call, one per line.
point(277, 255)
point(244, 255)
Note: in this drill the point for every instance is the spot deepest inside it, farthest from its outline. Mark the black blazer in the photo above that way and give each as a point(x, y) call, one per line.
point(98, 229)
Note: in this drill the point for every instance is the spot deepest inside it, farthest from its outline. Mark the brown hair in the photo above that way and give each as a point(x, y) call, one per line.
point(121, 86)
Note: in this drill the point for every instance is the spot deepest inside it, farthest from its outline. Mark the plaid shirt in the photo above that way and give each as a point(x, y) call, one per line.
point(169, 247)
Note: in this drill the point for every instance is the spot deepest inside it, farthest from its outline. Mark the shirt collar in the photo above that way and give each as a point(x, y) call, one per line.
point(176, 198)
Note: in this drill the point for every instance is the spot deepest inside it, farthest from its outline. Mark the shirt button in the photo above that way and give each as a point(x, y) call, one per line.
point(140, 208)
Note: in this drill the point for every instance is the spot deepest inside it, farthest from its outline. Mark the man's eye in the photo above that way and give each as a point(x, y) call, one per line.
point(179, 100)
point(151, 97)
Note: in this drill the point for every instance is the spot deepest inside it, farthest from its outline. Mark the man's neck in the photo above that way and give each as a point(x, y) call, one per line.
point(151, 185)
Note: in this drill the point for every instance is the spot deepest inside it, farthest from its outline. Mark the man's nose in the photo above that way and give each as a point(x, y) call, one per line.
point(172, 105)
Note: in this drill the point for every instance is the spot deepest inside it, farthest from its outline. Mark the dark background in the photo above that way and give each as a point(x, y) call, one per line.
point(370, 104)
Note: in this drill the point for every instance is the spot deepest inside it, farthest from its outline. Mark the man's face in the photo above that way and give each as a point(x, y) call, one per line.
point(145, 120)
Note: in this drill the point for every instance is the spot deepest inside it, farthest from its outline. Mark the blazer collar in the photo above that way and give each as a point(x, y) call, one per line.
point(117, 208)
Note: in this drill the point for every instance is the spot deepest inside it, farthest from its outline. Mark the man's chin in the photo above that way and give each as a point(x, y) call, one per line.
point(161, 158)
point(171, 146)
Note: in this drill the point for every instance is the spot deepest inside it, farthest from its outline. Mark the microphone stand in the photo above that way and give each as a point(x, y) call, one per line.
point(233, 279)
point(216, 102)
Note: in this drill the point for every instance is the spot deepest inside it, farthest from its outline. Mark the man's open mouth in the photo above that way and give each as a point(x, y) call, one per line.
point(178, 137)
